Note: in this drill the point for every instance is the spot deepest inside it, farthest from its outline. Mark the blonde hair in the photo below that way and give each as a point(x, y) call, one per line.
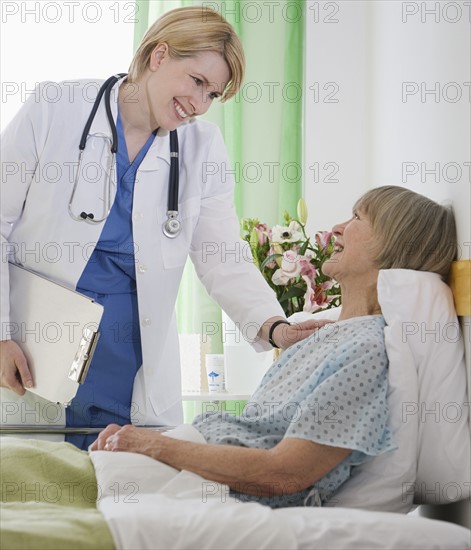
point(412, 231)
point(187, 32)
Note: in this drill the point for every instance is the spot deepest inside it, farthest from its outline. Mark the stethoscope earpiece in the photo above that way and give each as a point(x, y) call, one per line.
point(86, 216)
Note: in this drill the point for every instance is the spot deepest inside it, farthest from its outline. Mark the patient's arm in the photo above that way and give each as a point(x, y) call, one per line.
point(291, 466)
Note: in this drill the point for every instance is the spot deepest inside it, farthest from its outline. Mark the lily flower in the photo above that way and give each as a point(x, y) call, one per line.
point(307, 268)
point(316, 297)
point(323, 239)
point(263, 233)
point(302, 211)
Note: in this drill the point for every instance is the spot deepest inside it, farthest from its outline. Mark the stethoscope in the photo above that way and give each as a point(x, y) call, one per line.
point(173, 226)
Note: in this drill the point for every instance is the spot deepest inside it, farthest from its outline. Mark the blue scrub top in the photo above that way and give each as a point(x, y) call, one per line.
point(110, 279)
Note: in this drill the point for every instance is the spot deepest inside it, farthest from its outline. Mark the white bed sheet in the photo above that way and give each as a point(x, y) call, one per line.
point(149, 505)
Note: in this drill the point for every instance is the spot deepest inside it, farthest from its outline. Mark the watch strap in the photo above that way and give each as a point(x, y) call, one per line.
point(273, 327)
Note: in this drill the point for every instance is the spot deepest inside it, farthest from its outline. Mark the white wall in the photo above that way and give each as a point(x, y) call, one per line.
point(380, 132)
point(421, 103)
point(337, 112)
point(60, 40)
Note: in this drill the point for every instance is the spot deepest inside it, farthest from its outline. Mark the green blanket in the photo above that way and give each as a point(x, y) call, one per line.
point(48, 497)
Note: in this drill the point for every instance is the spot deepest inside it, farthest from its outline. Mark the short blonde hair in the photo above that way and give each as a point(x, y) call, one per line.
point(187, 32)
point(412, 231)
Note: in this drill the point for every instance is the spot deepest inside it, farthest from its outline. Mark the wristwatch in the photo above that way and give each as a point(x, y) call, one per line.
point(273, 327)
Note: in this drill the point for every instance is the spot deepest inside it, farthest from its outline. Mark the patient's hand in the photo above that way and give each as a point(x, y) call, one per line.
point(100, 443)
point(128, 438)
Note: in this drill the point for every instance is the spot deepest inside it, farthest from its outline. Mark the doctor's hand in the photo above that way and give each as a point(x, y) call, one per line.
point(285, 335)
point(14, 372)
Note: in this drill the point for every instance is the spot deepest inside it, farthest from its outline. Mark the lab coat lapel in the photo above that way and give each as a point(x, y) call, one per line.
point(160, 150)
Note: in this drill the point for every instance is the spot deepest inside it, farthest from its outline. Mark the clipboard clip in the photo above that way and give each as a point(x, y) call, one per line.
point(79, 369)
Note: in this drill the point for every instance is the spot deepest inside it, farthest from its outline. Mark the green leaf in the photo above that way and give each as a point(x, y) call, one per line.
point(293, 292)
point(304, 247)
point(271, 258)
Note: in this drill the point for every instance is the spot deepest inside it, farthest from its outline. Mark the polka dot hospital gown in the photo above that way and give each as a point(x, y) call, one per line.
point(330, 389)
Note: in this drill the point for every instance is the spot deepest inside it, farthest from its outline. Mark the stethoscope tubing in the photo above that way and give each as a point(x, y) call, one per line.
point(172, 226)
point(172, 202)
point(106, 87)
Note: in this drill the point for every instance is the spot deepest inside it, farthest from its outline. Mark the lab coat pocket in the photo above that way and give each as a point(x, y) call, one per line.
point(175, 251)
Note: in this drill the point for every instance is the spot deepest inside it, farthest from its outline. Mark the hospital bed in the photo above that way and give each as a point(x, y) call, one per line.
point(145, 504)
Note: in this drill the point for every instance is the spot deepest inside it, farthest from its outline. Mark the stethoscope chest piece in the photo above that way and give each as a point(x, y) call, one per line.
point(172, 227)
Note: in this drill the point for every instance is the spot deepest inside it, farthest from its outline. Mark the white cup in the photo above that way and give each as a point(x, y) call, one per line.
point(215, 372)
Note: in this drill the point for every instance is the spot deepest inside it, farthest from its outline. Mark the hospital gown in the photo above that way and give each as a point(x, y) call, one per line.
point(330, 389)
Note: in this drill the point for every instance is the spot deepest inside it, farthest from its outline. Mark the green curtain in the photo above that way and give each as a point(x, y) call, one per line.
point(262, 125)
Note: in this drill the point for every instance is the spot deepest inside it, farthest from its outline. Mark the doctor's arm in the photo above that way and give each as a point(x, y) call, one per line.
point(225, 267)
point(291, 466)
point(19, 156)
point(286, 334)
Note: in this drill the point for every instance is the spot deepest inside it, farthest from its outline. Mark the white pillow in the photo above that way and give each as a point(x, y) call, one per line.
point(427, 399)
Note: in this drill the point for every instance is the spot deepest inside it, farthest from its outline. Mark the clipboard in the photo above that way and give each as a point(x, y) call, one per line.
point(57, 329)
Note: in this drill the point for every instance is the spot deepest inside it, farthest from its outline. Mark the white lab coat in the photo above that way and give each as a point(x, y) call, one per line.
point(39, 160)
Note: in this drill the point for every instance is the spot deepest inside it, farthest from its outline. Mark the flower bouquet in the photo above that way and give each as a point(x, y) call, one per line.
point(292, 264)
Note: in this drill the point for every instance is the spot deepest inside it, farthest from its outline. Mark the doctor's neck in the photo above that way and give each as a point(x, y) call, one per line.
point(134, 109)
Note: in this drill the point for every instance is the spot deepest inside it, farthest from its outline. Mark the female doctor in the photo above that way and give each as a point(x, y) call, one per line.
point(122, 228)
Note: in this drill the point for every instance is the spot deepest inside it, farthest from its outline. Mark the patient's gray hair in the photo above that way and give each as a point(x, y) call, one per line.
point(413, 231)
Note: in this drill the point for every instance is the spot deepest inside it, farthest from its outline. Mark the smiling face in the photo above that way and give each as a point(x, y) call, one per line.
point(173, 90)
point(353, 259)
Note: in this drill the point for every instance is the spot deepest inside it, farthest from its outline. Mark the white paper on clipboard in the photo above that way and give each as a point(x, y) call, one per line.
point(57, 329)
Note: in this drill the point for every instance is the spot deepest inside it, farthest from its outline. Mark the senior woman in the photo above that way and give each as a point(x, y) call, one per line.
point(321, 408)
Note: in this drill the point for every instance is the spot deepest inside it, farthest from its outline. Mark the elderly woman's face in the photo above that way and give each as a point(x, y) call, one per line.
point(352, 258)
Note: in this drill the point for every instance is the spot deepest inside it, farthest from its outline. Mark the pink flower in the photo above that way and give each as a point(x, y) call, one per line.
point(327, 285)
point(290, 268)
point(316, 297)
point(307, 268)
point(263, 232)
point(323, 239)
point(290, 263)
point(272, 264)
point(310, 305)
